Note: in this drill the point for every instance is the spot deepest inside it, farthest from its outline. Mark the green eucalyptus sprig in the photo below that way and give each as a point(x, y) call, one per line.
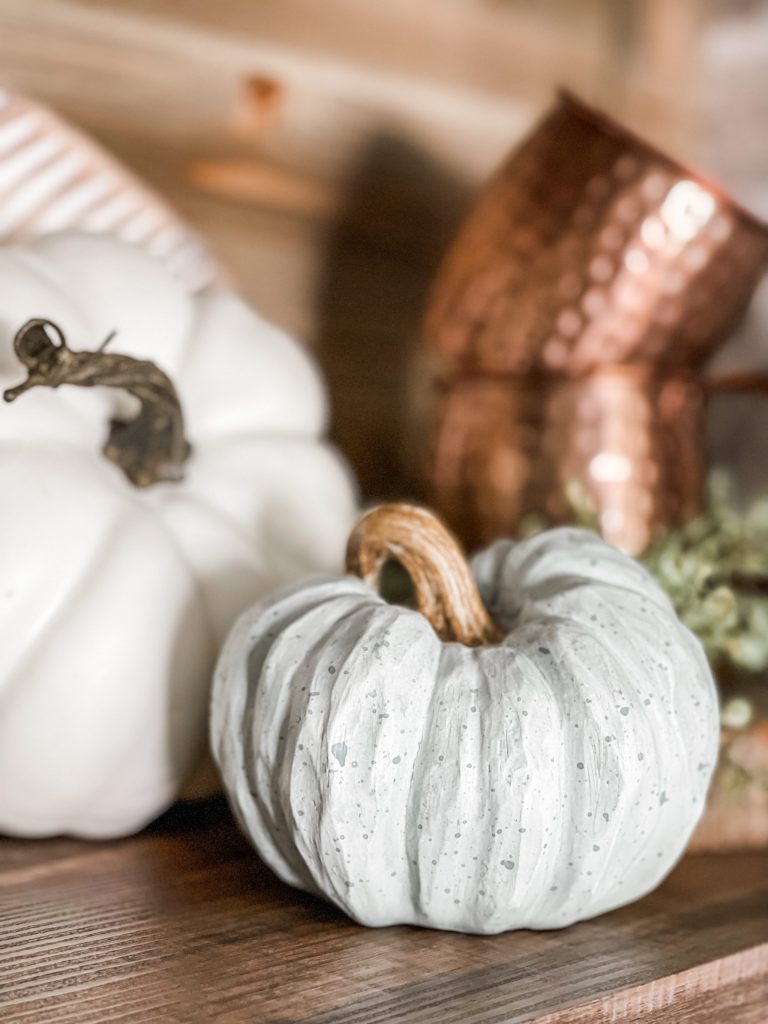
point(705, 567)
point(714, 569)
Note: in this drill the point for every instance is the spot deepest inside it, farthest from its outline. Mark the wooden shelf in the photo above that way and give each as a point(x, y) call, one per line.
point(184, 924)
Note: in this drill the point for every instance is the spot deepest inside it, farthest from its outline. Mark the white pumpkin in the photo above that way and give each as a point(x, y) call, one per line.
point(114, 598)
point(527, 780)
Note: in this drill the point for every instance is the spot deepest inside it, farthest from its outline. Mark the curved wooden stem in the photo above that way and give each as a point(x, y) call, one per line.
point(446, 593)
point(150, 448)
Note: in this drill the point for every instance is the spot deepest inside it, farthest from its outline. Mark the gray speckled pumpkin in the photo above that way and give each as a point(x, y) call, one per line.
point(457, 769)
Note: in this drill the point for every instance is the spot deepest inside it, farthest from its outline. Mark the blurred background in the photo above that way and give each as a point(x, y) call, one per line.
point(328, 151)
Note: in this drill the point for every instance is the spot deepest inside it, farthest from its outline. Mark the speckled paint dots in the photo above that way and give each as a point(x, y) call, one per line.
point(523, 782)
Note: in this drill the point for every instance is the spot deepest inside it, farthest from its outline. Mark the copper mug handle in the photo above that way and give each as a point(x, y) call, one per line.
point(747, 382)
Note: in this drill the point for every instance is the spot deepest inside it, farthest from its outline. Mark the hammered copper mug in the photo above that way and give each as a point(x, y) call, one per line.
point(572, 319)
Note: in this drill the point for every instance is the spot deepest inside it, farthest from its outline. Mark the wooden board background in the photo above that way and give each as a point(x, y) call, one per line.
point(328, 151)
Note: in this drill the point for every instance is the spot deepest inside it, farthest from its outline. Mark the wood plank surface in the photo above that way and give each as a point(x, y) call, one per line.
point(184, 924)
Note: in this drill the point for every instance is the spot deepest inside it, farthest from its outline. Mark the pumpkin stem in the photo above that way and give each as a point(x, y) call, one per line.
point(446, 593)
point(149, 448)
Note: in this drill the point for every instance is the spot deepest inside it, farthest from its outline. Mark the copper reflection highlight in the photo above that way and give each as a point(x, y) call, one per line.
point(571, 319)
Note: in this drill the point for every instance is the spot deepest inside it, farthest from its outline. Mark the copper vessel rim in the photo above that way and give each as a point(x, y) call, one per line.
point(753, 381)
point(536, 376)
point(609, 126)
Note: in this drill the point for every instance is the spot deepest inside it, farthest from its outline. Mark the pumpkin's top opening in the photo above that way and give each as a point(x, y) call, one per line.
point(396, 585)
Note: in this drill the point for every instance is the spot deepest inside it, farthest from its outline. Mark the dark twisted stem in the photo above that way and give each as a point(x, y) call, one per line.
point(149, 448)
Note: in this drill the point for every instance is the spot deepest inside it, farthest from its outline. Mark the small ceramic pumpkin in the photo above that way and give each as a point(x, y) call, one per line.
point(522, 757)
point(123, 565)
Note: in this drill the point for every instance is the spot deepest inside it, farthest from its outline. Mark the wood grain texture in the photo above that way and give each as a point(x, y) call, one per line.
point(53, 178)
point(328, 153)
point(184, 924)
